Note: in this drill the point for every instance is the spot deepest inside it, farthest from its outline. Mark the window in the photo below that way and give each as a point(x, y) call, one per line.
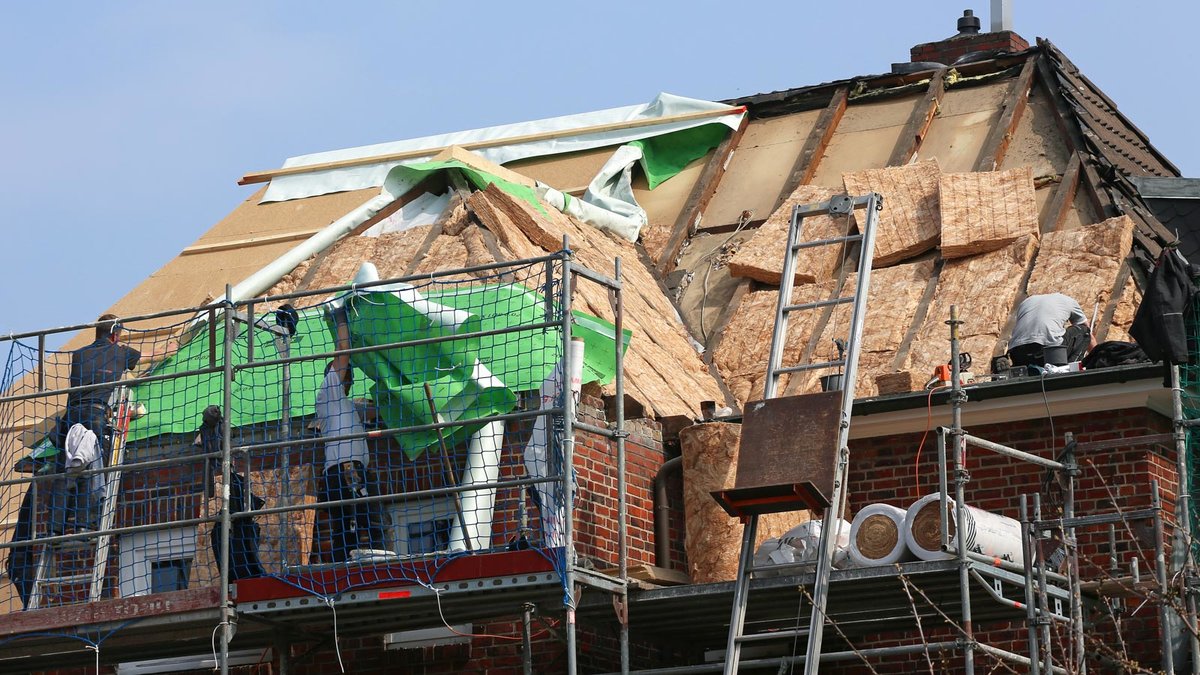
point(169, 575)
point(429, 536)
point(158, 561)
point(420, 527)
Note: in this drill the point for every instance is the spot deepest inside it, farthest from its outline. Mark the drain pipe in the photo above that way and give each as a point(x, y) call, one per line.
point(662, 512)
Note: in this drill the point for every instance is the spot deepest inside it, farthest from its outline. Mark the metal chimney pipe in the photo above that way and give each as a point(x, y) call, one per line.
point(969, 23)
point(1001, 15)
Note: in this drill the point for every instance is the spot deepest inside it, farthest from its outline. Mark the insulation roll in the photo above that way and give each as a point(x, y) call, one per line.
point(877, 536)
point(986, 533)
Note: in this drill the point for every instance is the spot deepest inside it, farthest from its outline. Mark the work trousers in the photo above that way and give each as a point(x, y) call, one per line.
point(1075, 340)
point(79, 498)
point(351, 526)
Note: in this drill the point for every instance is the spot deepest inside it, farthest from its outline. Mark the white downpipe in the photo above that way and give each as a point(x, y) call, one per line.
point(483, 468)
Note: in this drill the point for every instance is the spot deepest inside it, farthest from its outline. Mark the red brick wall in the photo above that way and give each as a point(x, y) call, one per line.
point(946, 51)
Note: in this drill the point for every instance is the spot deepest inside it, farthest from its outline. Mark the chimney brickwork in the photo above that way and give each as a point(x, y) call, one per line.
point(946, 51)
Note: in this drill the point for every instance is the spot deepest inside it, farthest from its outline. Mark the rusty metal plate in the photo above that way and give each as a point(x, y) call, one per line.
point(790, 440)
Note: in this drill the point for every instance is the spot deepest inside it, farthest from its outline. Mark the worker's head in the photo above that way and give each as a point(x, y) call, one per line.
point(107, 327)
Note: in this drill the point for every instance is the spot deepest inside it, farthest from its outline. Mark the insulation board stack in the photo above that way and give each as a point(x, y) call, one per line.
point(986, 210)
point(712, 538)
point(761, 258)
point(909, 223)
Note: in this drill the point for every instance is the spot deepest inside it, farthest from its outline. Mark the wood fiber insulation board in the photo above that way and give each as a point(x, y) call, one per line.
point(712, 538)
point(864, 138)
point(1083, 263)
point(962, 125)
point(664, 203)
point(909, 223)
point(663, 371)
point(1037, 142)
point(759, 167)
point(985, 288)
point(391, 253)
point(986, 210)
point(252, 219)
point(465, 249)
point(761, 258)
point(892, 304)
point(741, 358)
point(566, 171)
point(1122, 318)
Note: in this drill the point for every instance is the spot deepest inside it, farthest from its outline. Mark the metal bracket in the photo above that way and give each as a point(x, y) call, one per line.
point(621, 610)
point(840, 205)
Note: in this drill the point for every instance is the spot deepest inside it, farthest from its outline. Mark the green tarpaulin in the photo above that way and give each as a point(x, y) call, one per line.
point(395, 378)
point(665, 156)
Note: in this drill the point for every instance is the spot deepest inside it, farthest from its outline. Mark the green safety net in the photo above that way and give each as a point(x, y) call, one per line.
point(1189, 381)
point(455, 374)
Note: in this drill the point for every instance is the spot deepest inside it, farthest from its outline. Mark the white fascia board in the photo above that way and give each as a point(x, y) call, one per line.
point(1115, 396)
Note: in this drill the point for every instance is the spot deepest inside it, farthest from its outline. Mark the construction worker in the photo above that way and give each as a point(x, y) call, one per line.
point(351, 526)
point(1049, 320)
point(104, 361)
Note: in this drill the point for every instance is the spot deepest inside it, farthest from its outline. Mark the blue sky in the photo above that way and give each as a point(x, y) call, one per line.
point(125, 125)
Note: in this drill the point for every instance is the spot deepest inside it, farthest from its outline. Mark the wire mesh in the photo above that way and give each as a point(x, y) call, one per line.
point(374, 435)
point(1189, 382)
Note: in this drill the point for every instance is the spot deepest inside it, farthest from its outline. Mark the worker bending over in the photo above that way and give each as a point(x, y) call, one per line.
point(351, 526)
point(1049, 320)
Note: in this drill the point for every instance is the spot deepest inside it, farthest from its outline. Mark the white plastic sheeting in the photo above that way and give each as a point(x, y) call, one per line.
point(483, 468)
point(538, 451)
point(882, 522)
point(423, 210)
point(986, 533)
point(624, 227)
point(373, 175)
point(799, 546)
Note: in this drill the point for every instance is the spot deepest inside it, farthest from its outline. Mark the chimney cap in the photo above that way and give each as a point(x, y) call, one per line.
point(969, 23)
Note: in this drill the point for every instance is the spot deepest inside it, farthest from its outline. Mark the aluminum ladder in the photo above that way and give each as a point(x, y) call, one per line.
point(838, 206)
point(49, 565)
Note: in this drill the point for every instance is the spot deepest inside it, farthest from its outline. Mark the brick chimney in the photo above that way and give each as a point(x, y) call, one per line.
point(968, 40)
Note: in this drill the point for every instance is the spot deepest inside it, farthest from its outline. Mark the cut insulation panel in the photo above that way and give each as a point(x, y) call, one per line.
point(892, 303)
point(909, 223)
point(1122, 318)
point(986, 210)
point(1083, 262)
point(712, 538)
point(663, 370)
point(741, 357)
point(761, 258)
point(985, 288)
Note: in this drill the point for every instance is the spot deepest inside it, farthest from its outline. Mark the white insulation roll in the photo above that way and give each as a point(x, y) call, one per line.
point(986, 533)
point(877, 536)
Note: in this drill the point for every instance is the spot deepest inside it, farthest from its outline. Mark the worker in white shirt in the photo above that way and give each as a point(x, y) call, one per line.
point(1049, 320)
point(351, 526)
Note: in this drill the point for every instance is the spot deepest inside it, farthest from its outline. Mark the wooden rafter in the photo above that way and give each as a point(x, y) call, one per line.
point(703, 191)
point(996, 146)
point(1069, 127)
point(818, 140)
point(919, 121)
point(1060, 204)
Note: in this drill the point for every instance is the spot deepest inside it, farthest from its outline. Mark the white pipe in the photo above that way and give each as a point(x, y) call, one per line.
point(483, 468)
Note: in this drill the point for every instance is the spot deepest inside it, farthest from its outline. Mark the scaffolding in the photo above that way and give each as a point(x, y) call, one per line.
point(1047, 591)
point(463, 385)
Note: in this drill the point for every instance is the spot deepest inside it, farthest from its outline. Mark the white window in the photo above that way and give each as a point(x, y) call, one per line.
point(179, 664)
point(156, 562)
point(420, 527)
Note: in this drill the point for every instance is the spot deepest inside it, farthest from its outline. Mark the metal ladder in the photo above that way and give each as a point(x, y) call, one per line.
point(848, 361)
point(48, 567)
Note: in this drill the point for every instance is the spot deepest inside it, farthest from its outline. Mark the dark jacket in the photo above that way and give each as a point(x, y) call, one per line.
point(1160, 325)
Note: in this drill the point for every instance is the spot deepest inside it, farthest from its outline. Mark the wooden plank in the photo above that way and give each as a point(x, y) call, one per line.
point(920, 121)
point(264, 176)
point(1002, 134)
point(249, 241)
point(818, 141)
point(1060, 204)
point(723, 320)
point(702, 193)
point(659, 576)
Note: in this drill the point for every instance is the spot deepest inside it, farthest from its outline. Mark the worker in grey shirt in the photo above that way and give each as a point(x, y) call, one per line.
point(1042, 321)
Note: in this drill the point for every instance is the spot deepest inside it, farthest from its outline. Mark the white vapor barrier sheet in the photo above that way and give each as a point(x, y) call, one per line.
point(315, 183)
point(986, 533)
point(483, 468)
point(876, 518)
point(423, 210)
point(543, 457)
point(798, 546)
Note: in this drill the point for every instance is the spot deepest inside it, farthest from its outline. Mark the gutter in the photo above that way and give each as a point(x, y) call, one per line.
point(662, 512)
